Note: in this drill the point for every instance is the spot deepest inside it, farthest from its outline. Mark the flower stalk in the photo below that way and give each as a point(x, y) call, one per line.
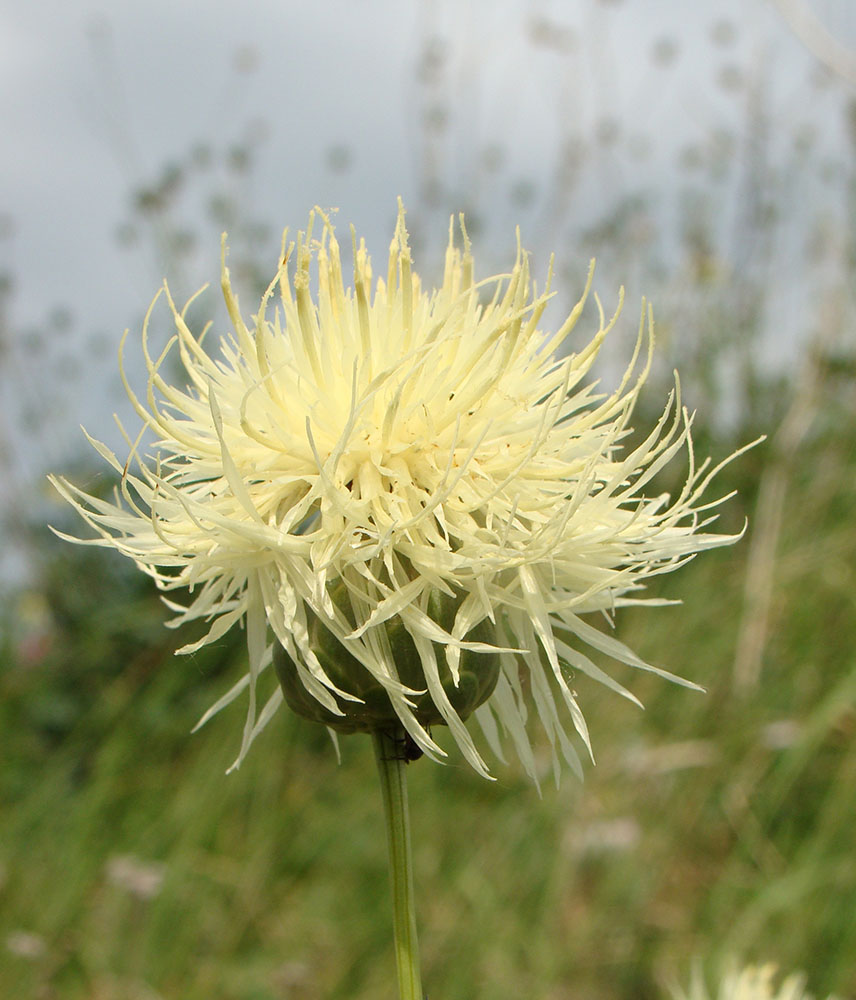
point(391, 765)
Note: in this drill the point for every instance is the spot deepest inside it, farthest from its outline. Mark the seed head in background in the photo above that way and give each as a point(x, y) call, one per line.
point(410, 499)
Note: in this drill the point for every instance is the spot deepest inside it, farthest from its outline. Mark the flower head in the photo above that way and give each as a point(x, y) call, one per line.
point(413, 497)
point(751, 983)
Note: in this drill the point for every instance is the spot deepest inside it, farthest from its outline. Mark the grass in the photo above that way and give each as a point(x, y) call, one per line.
point(713, 825)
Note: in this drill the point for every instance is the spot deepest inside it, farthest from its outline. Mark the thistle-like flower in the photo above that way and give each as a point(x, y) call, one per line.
point(412, 501)
point(751, 983)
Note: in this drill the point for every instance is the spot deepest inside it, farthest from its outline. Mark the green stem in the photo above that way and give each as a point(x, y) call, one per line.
point(391, 766)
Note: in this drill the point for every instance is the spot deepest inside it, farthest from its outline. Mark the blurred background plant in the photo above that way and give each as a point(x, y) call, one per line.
point(713, 825)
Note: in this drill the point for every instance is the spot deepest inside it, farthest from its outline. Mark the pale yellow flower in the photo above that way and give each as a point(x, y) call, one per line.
point(751, 983)
point(348, 466)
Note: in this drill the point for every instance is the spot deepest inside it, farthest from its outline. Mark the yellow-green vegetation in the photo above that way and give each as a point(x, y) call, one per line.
point(713, 825)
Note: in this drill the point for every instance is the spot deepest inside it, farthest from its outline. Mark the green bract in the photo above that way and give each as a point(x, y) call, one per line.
point(477, 673)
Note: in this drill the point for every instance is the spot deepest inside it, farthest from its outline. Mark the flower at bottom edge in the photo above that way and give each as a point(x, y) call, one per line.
point(749, 983)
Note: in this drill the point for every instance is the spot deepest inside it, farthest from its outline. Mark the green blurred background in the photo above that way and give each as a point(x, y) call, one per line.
point(713, 826)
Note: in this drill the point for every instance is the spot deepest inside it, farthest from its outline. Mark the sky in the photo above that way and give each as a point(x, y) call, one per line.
point(546, 115)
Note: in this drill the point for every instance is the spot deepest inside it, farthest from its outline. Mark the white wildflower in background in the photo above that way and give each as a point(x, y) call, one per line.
point(26, 945)
point(751, 983)
point(143, 879)
point(411, 500)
